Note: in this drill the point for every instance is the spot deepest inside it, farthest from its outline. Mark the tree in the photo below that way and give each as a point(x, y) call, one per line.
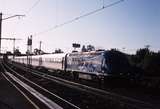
point(36, 51)
point(84, 49)
point(58, 51)
point(90, 48)
point(142, 52)
point(8, 53)
point(146, 61)
point(151, 64)
point(17, 52)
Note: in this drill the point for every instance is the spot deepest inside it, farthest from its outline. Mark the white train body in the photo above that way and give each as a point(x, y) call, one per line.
point(51, 61)
point(84, 63)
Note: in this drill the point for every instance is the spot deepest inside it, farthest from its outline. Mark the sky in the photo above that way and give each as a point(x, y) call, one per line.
point(127, 26)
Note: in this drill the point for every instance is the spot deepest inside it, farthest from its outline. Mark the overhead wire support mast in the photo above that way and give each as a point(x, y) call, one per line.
point(1, 19)
point(79, 17)
point(13, 39)
point(13, 16)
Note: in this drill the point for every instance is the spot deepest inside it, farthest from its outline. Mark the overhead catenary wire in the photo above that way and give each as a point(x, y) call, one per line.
point(29, 10)
point(79, 17)
point(26, 13)
point(33, 6)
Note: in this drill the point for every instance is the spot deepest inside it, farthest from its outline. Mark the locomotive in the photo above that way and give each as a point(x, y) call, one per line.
point(86, 65)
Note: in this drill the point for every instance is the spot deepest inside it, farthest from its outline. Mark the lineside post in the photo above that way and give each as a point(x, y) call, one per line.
point(0, 30)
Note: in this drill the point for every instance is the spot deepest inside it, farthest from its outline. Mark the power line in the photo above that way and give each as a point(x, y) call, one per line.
point(2, 19)
point(33, 6)
point(29, 9)
point(79, 17)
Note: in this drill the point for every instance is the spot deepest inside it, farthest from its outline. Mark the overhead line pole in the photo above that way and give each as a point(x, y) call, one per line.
point(1, 25)
point(13, 39)
point(40, 45)
point(0, 30)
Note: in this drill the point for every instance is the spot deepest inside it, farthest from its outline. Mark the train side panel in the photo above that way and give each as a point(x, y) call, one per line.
point(87, 64)
point(54, 61)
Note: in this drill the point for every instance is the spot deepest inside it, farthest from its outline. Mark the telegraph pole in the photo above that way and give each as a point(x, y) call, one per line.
point(1, 25)
point(0, 30)
point(40, 45)
point(29, 50)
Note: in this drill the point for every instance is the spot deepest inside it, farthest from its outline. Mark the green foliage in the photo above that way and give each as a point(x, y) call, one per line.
point(147, 61)
point(17, 52)
point(151, 64)
point(139, 57)
point(58, 51)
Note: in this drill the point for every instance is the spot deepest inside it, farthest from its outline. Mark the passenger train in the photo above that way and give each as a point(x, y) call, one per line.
point(86, 65)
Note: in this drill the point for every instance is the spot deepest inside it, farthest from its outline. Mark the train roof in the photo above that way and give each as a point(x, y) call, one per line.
point(87, 53)
point(61, 55)
point(58, 55)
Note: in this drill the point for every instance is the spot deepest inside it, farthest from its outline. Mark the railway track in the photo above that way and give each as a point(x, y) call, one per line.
point(39, 97)
point(119, 100)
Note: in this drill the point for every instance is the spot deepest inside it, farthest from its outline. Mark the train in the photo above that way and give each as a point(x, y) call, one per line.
point(86, 65)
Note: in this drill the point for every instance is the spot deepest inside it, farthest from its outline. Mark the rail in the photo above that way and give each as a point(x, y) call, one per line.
point(38, 95)
point(105, 94)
